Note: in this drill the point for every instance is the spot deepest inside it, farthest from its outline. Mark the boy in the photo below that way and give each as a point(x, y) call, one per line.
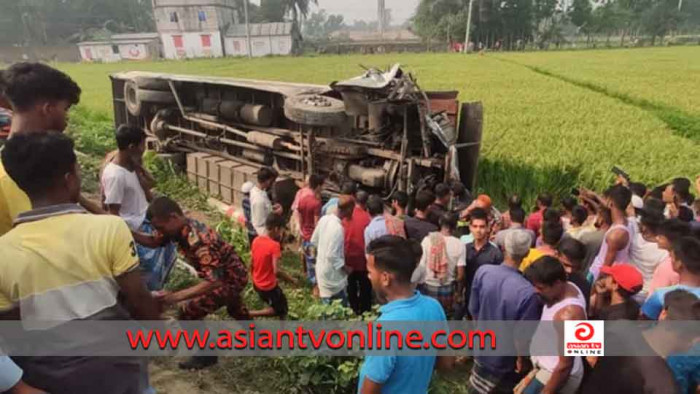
point(41, 97)
point(265, 256)
point(126, 192)
point(223, 273)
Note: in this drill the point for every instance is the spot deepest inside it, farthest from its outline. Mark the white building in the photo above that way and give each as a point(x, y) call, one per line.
point(193, 28)
point(139, 46)
point(265, 39)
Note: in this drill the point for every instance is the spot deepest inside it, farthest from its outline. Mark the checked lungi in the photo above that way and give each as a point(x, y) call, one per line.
point(445, 295)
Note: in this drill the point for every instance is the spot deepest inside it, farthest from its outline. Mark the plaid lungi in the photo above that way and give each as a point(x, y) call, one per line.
point(445, 295)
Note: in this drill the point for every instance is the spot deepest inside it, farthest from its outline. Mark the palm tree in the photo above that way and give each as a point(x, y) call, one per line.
point(298, 7)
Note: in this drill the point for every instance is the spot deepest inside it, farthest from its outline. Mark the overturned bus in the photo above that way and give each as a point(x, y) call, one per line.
point(380, 129)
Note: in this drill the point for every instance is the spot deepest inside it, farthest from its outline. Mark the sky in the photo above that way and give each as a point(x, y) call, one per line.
point(401, 10)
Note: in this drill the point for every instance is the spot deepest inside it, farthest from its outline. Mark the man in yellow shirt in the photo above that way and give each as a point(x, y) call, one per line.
point(40, 97)
point(60, 264)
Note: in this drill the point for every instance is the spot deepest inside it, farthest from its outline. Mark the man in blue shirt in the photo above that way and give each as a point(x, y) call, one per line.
point(500, 292)
point(377, 226)
point(390, 263)
point(686, 262)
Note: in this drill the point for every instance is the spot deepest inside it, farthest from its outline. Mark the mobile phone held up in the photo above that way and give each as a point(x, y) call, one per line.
point(620, 172)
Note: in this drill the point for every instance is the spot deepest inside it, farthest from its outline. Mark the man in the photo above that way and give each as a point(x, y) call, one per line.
point(614, 291)
point(377, 226)
point(443, 196)
point(260, 205)
point(567, 212)
point(41, 97)
point(329, 241)
point(399, 205)
point(418, 226)
point(594, 239)
point(245, 206)
point(571, 254)
point(641, 374)
point(676, 195)
point(359, 287)
point(480, 252)
point(461, 198)
point(265, 254)
point(686, 262)
point(443, 255)
point(577, 227)
point(500, 292)
point(391, 261)
point(483, 201)
point(645, 253)
point(125, 186)
point(669, 232)
point(681, 305)
point(552, 233)
point(616, 244)
point(216, 262)
point(331, 207)
point(60, 264)
point(534, 221)
point(516, 218)
point(309, 210)
point(563, 301)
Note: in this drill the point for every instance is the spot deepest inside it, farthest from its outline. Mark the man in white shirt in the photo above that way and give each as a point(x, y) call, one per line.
point(442, 254)
point(329, 240)
point(260, 205)
point(126, 190)
point(645, 253)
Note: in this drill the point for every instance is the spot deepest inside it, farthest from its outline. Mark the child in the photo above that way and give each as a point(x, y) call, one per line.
point(266, 253)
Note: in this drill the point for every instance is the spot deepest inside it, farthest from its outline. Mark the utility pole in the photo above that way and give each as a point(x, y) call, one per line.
point(247, 28)
point(469, 26)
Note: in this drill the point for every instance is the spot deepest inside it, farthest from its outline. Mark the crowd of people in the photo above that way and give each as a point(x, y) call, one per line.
point(631, 253)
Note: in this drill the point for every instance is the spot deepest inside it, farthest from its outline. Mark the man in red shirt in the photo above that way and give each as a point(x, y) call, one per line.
point(534, 221)
point(264, 267)
point(359, 286)
point(309, 209)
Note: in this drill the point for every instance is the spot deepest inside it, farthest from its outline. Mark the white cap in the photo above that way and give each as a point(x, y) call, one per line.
point(247, 187)
point(637, 202)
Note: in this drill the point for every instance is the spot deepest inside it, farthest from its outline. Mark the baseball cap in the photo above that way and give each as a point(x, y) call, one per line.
point(626, 275)
point(517, 243)
point(247, 187)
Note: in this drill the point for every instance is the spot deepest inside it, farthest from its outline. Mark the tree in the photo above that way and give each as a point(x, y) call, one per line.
point(40, 22)
point(272, 10)
point(320, 25)
point(298, 8)
point(580, 15)
point(662, 17)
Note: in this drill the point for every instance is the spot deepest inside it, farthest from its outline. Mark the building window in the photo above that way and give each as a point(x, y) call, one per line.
point(173, 17)
point(202, 16)
point(206, 40)
point(177, 40)
point(115, 49)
